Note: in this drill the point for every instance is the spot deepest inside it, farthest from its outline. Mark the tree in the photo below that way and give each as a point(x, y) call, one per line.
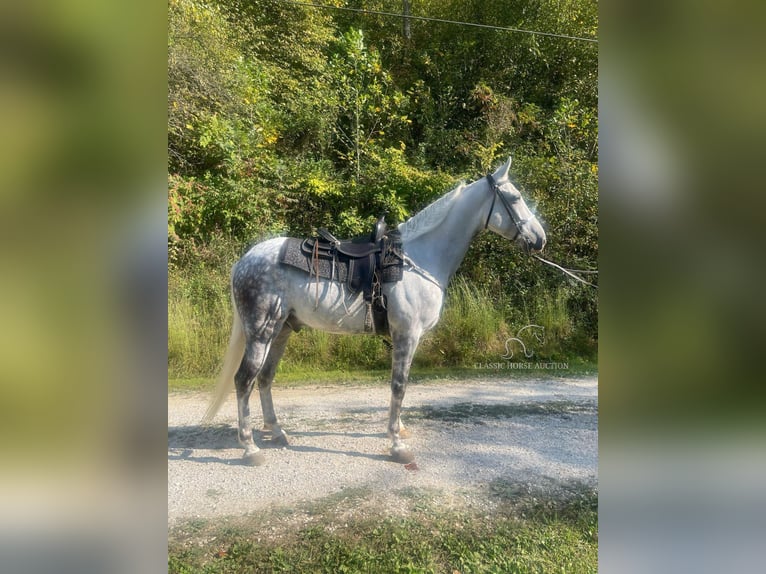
point(370, 110)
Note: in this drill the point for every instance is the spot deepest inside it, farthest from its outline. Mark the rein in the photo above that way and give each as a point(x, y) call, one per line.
point(422, 272)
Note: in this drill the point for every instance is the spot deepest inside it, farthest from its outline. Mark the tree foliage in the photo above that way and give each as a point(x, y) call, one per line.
point(285, 118)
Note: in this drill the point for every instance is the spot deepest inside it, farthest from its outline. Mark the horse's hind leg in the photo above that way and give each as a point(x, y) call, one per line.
point(265, 379)
point(259, 340)
point(252, 362)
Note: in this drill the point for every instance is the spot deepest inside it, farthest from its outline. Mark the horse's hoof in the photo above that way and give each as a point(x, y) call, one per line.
point(254, 459)
point(280, 440)
point(402, 455)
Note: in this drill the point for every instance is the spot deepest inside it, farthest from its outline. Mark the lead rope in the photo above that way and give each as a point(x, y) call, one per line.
point(570, 272)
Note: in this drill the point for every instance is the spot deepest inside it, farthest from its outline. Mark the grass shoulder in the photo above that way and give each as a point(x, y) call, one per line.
point(521, 530)
point(418, 375)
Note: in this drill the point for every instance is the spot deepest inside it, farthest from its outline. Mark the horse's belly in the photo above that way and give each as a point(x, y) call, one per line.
point(329, 307)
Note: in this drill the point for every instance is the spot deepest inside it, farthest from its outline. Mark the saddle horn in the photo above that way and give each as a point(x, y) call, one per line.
point(380, 228)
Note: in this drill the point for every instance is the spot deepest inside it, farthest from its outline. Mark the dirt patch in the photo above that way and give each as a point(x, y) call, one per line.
point(472, 440)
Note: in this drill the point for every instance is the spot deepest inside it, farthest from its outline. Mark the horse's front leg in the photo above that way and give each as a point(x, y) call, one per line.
point(404, 350)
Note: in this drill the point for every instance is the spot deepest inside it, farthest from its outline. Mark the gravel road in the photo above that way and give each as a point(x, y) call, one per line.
point(467, 437)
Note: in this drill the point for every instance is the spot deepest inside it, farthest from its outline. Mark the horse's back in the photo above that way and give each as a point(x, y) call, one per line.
point(267, 250)
point(257, 265)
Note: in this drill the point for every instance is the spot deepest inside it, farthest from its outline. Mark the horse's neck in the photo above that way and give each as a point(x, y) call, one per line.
point(441, 250)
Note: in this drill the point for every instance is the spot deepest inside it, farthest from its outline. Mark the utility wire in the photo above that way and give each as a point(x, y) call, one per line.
point(441, 20)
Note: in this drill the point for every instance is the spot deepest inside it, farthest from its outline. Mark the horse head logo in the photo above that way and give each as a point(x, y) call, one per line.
point(525, 338)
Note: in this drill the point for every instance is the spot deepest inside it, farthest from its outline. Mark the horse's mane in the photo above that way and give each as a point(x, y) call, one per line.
point(431, 215)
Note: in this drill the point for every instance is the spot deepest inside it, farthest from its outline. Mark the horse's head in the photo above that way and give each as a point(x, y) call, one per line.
point(510, 216)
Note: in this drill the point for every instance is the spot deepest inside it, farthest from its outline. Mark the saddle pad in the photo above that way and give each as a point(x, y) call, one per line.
point(291, 254)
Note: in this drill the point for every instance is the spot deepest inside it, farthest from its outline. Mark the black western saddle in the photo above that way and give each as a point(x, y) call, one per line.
point(362, 264)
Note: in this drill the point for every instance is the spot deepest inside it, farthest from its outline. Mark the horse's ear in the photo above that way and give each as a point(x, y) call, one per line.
point(504, 169)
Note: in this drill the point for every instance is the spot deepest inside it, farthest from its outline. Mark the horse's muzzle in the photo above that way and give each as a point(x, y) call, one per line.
point(537, 246)
point(532, 247)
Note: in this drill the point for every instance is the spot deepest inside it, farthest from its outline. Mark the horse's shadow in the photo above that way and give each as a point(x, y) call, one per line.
point(348, 434)
point(184, 440)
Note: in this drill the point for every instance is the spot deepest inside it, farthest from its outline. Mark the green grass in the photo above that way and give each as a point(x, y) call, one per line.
point(199, 324)
point(294, 377)
point(474, 328)
point(523, 532)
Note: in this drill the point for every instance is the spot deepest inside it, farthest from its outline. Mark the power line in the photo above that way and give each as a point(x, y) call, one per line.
point(441, 20)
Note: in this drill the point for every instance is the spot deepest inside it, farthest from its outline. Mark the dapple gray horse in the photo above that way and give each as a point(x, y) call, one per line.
point(271, 300)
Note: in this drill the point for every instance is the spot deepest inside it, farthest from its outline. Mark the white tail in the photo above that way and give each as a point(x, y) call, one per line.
point(231, 363)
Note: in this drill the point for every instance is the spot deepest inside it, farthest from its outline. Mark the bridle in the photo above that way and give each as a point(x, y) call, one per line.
point(496, 192)
point(519, 223)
